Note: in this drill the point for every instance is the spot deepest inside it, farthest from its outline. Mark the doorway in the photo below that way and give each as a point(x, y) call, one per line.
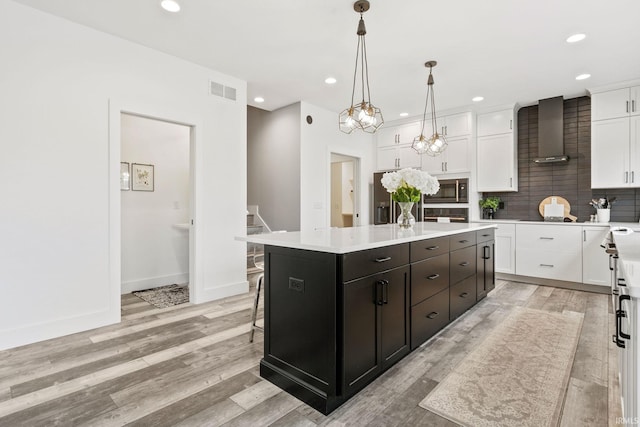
point(344, 195)
point(156, 204)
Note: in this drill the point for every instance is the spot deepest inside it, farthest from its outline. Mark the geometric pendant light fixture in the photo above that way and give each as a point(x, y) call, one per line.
point(432, 143)
point(361, 115)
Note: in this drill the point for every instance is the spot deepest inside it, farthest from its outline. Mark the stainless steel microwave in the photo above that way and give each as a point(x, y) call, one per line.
point(451, 191)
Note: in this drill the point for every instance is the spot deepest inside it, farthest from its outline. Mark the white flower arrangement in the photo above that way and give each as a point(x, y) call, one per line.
point(407, 184)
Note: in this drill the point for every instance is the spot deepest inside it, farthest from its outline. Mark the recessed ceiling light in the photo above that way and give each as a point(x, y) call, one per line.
point(258, 99)
point(583, 76)
point(330, 80)
point(576, 38)
point(170, 5)
point(404, 114)
point(477, 98)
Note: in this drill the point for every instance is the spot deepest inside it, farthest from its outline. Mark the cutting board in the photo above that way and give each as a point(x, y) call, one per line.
point(560, 201)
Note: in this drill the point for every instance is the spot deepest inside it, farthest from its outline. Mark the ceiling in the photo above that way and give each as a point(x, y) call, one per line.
point(505, 50)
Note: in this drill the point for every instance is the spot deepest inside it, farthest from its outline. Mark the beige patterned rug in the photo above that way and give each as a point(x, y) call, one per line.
point(165, 296)
point(516, 377)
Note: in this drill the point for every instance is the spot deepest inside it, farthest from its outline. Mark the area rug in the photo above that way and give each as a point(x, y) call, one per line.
point(165, 296)
point(516, 377)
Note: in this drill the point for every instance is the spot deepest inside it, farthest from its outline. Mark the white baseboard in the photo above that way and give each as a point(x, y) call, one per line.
point(10, 338)
point(219, 292)
point(153, 282)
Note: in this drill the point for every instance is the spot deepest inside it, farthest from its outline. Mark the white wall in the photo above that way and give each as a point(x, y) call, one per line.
point(62, 85)
point(154, 251)
point(273, 165)
point(318, 141)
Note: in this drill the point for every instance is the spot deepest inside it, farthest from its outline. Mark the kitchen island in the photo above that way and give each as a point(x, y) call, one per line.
point(343, 305)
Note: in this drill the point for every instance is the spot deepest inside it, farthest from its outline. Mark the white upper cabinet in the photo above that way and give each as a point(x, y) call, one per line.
point(397, 135)
point(455, 125)
point(454, 160)
point(615, 138)
point(615, 103)
point(497, 161)
point(495, 123)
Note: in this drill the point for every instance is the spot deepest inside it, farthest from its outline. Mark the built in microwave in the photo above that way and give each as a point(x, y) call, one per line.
point(451, 191)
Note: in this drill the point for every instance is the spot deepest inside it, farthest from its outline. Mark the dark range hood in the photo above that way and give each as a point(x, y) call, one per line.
point(550, 131)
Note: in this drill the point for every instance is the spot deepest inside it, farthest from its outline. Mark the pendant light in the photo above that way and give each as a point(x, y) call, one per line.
point(362, 115)
point(435, 144)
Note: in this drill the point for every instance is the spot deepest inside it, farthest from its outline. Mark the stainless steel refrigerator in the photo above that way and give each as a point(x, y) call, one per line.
point(386, 211)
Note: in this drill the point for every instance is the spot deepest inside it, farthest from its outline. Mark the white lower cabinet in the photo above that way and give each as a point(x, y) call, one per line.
point(505, 238)
point(549, 251)
point(595, 261)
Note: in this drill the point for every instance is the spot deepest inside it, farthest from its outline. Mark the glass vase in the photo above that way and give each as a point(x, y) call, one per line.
point(406, 218)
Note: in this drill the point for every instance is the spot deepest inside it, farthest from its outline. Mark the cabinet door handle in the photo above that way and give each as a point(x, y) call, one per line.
point(463, 241)
point(446, 166)
point(511, 124)
point(610, 266)
point(433, 276)
point(510, 182)
point(385, 292)
point(442, 166)
point(632, 177)
point(385, 259)
point(627, 106)
point(432, 315)
point(546, 265)
point(464, 264)
point(484, 252)
point(432, 248)
point(623, 314)
point(379, 292)
point(622, 282)
point(464, 295)
point(633, 105)
point(626, 177)
point(546, 238)
point(584, 235)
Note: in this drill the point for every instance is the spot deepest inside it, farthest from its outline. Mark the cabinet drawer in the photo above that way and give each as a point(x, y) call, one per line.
point(559, 238)
point(428, 277)
point(370, 261)
point(550, 265)
point(485, 235)
point(462, 240)
point(462, 296)
point(424, 249)
point(429, 317)
point(462, 264)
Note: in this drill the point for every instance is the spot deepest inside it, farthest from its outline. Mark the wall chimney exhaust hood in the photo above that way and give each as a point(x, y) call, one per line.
point(550, 131)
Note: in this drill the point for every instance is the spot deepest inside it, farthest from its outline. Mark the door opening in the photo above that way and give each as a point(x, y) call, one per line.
point(156, 203)
point(344, 197)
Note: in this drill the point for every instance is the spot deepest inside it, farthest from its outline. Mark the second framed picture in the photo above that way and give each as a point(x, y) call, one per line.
point(141, 177)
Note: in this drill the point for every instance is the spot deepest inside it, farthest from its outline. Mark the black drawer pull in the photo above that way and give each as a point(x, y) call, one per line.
point(432, 248)
point(463, 241)
point(432, 315)
point(622, 282)
point(546, 238)
point(464, 264)
point(546, 265)
point(623, 313)
point(433, 276)
point(486, 235)
point(464, 295)
point(387, 258)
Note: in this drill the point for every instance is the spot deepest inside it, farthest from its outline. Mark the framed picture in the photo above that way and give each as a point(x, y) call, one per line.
point(124, 176)
point(141, 177)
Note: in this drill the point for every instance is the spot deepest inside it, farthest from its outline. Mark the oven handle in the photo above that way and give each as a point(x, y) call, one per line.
point(457, 190)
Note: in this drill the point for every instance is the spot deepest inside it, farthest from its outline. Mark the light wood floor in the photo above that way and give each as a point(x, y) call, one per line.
point(192, 365)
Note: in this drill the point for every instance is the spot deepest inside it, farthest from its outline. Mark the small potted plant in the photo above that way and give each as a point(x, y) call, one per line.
point(489, 206)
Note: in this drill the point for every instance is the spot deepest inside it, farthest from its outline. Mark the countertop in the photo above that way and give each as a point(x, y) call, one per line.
point(352, 239)
point(541, 222)
point(628, 245)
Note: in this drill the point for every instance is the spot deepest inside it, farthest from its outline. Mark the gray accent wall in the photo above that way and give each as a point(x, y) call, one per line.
point(273, 165)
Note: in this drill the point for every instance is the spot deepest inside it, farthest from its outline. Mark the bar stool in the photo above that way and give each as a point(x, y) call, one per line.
point(258, 261)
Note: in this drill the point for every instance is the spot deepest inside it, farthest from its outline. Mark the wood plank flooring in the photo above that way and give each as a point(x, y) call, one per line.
point(193, 365)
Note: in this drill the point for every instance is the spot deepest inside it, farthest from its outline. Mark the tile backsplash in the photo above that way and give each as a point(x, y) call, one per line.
point(571, 180)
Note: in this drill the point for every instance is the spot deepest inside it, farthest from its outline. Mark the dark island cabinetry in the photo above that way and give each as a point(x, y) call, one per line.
point(336, 321)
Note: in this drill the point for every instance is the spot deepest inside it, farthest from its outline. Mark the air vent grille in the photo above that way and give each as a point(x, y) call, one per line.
point(222, 91)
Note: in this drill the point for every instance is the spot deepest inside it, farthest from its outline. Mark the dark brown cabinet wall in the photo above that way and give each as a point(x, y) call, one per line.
point(333, 323)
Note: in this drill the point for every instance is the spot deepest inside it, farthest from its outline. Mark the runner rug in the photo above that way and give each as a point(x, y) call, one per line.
point(517, 376)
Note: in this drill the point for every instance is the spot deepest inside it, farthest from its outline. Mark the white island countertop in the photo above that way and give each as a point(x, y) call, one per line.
point(352, 239)
point(628, 245)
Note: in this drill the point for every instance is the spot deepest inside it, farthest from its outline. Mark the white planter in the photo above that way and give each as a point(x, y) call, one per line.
point(604, 215)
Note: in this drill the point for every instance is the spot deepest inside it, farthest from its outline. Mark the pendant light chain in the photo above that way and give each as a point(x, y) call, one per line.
point(436, 143)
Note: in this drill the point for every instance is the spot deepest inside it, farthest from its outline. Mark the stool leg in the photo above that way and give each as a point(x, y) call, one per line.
point(254, 312)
